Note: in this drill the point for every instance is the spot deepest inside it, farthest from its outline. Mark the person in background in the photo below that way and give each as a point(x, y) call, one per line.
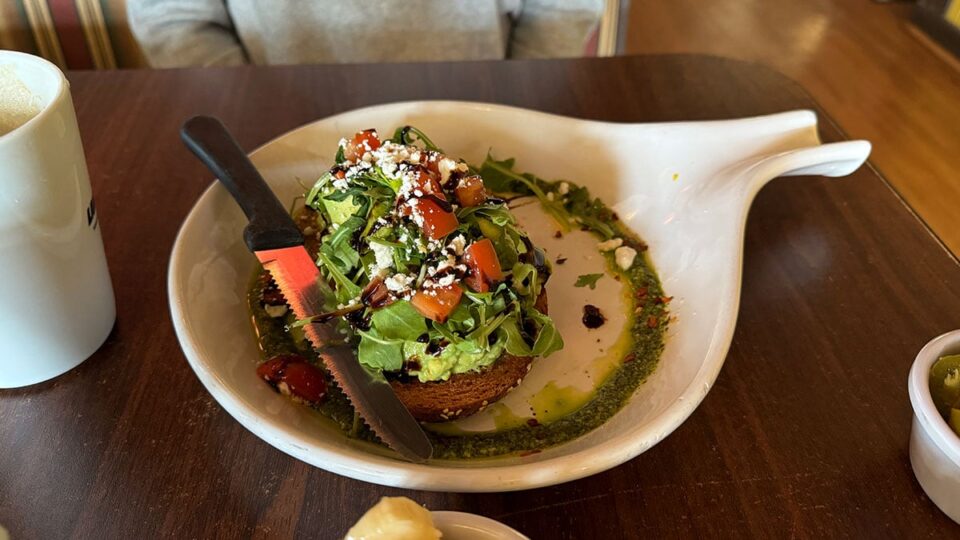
point(177, 33)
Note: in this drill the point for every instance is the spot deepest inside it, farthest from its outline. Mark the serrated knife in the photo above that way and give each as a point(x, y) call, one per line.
point(275, 239)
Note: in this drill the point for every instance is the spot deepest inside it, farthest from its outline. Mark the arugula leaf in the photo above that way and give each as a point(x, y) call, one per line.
point(312, 197)
point(499, 177)
point(403, 136)
point(346, 230)
point(346, 289)
point(342, 195)
point(546, 341)
point(588, 280)
point(379, 353)
point(549, 339)
point(525, 280)
point(399, 320)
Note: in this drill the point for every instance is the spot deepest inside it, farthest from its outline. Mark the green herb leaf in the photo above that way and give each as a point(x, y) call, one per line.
point(399, 320)
point(346, 230)
point(410, 135)
point(379, 353)
point(499, 177)
point(588, 280)
point(546, 341)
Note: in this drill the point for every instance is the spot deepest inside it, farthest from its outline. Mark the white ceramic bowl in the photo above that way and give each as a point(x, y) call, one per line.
point(684, 187)
point(934, 447)
point(464, 526)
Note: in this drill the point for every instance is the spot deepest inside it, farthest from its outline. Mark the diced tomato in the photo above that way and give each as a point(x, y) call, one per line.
point(431, 160)
point(470, 191)
point(481, 258)
point(340, 174)
point(427, 182)
point(437, 304)
point(476, 282)
point(437, 222)
point(302, 379)
point(361, 143)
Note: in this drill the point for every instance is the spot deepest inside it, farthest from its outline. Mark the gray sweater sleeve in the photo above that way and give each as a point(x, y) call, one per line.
point(554, 28)
point(176, 33)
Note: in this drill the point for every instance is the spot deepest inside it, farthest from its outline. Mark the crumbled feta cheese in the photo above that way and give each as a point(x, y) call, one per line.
point(340, 183)
point(382, 254)
point(275, 311)
point(446, 166)
point(550, 196)
point(446, 280)
point(610, 245)
point(457, 244)
point(564, 188)
point(462, 167)
point(416, 214)
point(624, 256)
point(398, 283)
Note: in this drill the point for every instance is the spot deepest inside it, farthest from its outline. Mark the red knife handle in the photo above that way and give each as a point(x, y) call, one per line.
point(270, 227)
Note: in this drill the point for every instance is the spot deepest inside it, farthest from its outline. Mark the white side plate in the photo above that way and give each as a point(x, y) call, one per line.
point(685, 188)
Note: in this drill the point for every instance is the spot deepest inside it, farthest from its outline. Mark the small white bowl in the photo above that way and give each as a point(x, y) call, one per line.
point(934, 447)
point(464, 526)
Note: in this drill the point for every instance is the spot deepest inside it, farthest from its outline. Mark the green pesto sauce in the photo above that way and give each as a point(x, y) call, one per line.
point(558, 423)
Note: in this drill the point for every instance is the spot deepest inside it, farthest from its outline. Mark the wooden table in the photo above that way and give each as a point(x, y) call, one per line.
point(804, 434)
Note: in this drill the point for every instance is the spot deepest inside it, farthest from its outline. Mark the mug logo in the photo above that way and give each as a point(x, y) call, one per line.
point(92, 220)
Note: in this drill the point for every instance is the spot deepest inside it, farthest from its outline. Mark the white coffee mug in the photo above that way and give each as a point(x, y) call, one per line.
point(56, 301)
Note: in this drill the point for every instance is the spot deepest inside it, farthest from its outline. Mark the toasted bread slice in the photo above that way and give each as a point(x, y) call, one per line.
point(465, 393)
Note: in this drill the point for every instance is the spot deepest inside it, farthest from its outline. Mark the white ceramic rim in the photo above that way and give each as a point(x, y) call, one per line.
point(383, 470)
point(919, 388)
point(482, 523)
point(62, 86)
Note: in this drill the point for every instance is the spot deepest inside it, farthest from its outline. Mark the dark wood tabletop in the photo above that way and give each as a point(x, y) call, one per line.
point(803, 435)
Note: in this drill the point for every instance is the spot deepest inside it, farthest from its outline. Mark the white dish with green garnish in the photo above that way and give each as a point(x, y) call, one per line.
point(609, 393)
point(934, 387)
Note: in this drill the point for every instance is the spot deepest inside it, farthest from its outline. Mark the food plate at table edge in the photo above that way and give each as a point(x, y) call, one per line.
point(683, 187)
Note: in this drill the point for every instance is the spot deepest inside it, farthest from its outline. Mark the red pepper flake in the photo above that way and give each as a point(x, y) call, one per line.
point(641, 292)
point(615, 217)
point(529, 453)
point(558, 234)
point(652, 322)
point(533, 422)
point(629, 358)
point(662, 299)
